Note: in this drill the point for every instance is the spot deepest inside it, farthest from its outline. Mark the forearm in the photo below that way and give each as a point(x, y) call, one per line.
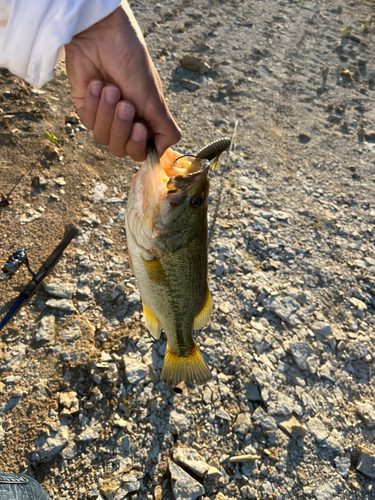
point(33, 33)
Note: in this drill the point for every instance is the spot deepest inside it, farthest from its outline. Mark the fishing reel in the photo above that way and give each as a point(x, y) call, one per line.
point(14, 262)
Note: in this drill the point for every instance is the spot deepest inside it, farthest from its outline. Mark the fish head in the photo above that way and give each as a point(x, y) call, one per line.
point(172, 201)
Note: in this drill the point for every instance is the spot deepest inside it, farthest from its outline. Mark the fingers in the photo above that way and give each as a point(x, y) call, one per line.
point(87, 113)
point(127, 138)
point(112, 121)
point(113, 125)
point(166, 139)
point(121, 128)
point(105, 114)
point(136, 146)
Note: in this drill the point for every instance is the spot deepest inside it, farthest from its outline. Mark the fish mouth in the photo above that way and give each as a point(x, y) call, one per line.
point(176, 173)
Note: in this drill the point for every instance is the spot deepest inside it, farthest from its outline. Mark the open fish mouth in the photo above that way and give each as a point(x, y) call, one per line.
point(174, 173)
point(188, 180)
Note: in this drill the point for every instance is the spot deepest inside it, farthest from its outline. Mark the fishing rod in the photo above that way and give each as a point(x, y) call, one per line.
point(5, 199)
point(39, 276)
point(14, 262)
point(229, 157)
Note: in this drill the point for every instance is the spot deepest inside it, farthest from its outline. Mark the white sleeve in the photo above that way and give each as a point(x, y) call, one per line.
point(33, 32)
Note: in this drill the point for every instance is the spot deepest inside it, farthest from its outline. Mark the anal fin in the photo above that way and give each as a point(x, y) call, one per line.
point(191, 368)
point(204, 316)
point(153, 324)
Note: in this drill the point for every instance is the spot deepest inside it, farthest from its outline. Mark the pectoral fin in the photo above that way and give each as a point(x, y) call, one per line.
point(154, 271)
point(153, 324)
point(204, 316)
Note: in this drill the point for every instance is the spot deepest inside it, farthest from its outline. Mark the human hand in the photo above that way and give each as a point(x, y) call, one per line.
point(130, 108)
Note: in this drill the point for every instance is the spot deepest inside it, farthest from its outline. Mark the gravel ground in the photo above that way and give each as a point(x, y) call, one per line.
point(290, 412)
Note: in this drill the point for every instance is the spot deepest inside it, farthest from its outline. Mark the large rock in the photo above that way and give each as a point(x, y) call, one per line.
point(366, 465)
point(184, 486)
point(98, 191)
point(291, 426)
point(191, 459)
point(46, 329)
point(189, 84)
point(89, 434)
point(191, 62)
point(367, 412)
point(317, 429)
point(59, 289)
point(49, 446)
point(300, 352)
point(178, 421)
point(322, 328)
point(136, 371)
point(242, 424)
point(70, 402)
point(283, 307)
point(71, 333)
point(283, 405)
point(261, 418)
point(64, 305)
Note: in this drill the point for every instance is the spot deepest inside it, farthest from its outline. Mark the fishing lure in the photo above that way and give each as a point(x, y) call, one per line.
point(212, 151)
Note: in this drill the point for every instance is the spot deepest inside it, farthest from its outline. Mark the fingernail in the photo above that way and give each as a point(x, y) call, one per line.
point(137, 132)
point(111, 95)
point(125, 111)
point(96, 88)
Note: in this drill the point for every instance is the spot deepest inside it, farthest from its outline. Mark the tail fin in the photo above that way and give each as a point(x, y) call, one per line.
point(192, 368)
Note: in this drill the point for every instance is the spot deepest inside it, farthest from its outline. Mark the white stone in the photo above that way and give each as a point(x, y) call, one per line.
point(322, 328)
point(136, 371)
point(300, 352)
point(191, 459)
point(98, 191)
point(317, 429)
point(71, 334)
point(59, 289)
point(64, 305)
point(46, 329)
point(183, 485)
point(89, 434)
point(367, 413)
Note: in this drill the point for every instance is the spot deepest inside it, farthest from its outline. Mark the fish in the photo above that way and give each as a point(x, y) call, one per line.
point(167, 232)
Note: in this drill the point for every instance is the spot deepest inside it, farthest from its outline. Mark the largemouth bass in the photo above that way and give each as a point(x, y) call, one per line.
point(166, 229)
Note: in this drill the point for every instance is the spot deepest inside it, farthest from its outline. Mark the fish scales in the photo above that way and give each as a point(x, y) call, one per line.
point(188, 280)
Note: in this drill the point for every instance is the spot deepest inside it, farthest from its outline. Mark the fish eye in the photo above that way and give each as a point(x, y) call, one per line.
point(197, 201)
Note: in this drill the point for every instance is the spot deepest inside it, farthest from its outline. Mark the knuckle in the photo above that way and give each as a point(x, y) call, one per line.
point(176, 136)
